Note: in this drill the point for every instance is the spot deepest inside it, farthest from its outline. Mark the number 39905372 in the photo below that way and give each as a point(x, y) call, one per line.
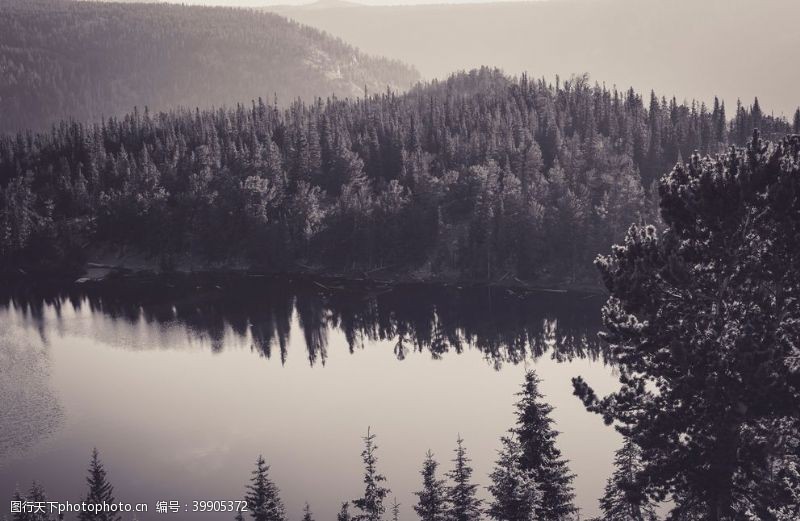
point(219, 506)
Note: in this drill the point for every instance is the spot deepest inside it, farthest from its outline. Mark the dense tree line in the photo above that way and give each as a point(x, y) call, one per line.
point(86, 60)
point(478, 177)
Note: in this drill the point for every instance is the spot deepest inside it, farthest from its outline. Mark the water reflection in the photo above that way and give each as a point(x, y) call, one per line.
point(505, 325)
point(169, 378)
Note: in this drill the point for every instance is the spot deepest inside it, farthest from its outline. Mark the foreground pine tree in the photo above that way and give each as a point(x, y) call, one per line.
point(540, 456)
point(371, 504)
point(624, 498)
point(516, 494)
point(100, 491)
point(263, 496)
point(462, 494)
point(432, 503)
point(707, 312)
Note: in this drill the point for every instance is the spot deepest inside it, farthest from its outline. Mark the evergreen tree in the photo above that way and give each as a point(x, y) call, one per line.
point(462, 494)
point(706, 313)
point(371, 504)
point(432, 502)
point(540, 456)
point(344, 512)
point(395, 510)
point(516, 494)
point(19, 516)
point(100, 491)
point(624, 498)
point(755, 114)
point(17, 215)
point(36, 495)
point(307, 516)
point(796, 122)
point(263, 496)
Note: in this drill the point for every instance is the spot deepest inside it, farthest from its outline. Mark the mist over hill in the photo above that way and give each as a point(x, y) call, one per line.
point(687, 48)
point(87, 60)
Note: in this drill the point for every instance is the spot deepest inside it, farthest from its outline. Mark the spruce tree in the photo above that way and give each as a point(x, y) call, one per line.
point(307, 516)
point(516, 494)
point(263, 496)
point(100, 491)
point(540, 455)
point(344, 512)
point(796, 122)
point(395, 510)
point(462, 494)
point(624, 498)
point(371, 504)
point(432, 502)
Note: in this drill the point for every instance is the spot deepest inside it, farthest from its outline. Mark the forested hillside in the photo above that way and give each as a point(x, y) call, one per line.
point(87, 60)
point(479, 177)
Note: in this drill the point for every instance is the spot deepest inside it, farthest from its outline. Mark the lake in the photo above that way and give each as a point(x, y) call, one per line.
point(182, 383)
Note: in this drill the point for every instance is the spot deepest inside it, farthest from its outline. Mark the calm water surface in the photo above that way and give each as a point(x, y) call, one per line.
point(181, 385)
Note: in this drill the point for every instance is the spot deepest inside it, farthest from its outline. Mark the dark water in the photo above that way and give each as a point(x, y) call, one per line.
point(181, 384)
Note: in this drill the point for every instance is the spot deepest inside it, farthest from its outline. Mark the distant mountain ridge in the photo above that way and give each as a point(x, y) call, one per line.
point(692, 49)
point(87, 60)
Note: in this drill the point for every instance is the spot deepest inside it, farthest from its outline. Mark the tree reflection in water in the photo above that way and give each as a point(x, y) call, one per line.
point(506, 325)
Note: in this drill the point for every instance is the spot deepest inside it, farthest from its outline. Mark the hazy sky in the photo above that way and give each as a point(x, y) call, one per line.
point(364, 2)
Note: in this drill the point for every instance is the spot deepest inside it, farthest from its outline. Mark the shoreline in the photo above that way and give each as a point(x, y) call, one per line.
point(103, 272)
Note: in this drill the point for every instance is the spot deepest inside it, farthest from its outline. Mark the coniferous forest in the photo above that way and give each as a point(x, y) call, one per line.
point(479, 177)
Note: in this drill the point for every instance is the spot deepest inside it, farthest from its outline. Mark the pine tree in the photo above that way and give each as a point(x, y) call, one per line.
point(432, 503)
point(263, 496)
point(517, 496)
point(344, 512)
point(462, 494)
point(20, 516)
point(756, 114)
point(36, 495)
point(704, 311)
point(395, 510)
point(624, 498)
point(540, 455)
point(371, 504)
point(100, 491)
point(796, 123)
point(307, 516)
